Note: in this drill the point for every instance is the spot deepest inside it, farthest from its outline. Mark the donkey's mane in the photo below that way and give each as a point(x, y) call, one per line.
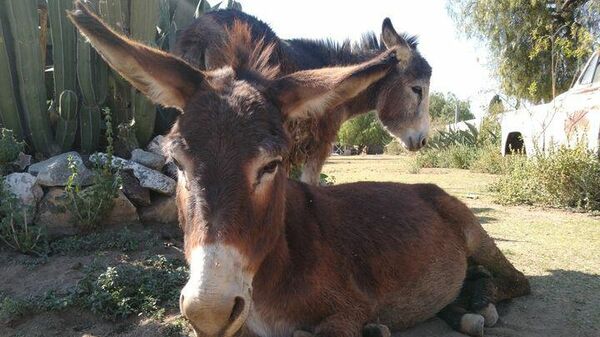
point(247, 54)
point(346, 52)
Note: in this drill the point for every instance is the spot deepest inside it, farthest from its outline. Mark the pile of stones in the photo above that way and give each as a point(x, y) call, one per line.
point(147, 195)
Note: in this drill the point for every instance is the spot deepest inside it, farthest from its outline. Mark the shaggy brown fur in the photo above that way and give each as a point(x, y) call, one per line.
point(325, 260)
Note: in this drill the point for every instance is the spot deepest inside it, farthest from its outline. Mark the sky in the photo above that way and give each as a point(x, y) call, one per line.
point(459, 65)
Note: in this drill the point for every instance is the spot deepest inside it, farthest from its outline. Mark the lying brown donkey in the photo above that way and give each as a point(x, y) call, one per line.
point(270, 256)
point(401, 98)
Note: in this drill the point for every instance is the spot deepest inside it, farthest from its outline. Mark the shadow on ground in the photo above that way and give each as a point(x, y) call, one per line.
point(482, 214)
point(562, 304)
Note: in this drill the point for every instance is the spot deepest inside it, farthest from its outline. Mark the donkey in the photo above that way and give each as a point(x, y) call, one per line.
point(401, 98)
point(271, 256)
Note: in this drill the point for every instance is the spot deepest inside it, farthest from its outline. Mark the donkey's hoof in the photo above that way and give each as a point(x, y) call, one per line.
point(376, 330)
point(490, 314)
point(302, 333)
point(472, 325)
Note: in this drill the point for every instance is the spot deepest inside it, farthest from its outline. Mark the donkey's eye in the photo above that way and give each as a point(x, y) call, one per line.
point(270, 167)
point(418, 90)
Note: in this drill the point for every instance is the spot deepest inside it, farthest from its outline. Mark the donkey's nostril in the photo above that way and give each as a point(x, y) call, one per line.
point(423, 141)
point(238, 308)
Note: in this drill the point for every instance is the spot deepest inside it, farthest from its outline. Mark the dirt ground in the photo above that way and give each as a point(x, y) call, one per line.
point(559, 251)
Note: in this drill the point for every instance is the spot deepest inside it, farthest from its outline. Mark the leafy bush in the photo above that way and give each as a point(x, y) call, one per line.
point(91, 204)
point(464, 149)
point(563, 178)
point(363, 130)
point(490, 160)
point(142, 288)
point(394, 148)
point(9, 149)
point(15, 231)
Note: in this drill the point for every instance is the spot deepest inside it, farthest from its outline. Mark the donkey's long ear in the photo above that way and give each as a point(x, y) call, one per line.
point(391, 38)
point(165, 79)
point(313, 91)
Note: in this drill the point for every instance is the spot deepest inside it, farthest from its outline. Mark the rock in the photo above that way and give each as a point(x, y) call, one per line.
point(55, 171)
point(156, 145)
point(139, 196)
point(54, 214)
point(123, 212)
point(148, 159)
point(147, 177)
point(27, 191)
point(162, 210)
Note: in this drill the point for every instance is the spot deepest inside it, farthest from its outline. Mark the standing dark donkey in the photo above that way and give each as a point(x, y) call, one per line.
point(270, 256)
point(401, 98)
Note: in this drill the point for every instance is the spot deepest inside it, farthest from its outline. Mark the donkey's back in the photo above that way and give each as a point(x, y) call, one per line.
point(202, 43)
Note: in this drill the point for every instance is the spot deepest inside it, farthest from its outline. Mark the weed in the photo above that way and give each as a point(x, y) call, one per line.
point(142, 288)
point(15, 231)
point(490, 160)
point(9, 149)
point(177, 328)
point(91, 204)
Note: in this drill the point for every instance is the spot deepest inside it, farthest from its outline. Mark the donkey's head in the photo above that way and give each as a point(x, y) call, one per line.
point(228, 144)
point(403, 100)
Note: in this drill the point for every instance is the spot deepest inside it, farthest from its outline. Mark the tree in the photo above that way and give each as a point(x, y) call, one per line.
point(537, 46)
point(363, 130)
point(442, 108)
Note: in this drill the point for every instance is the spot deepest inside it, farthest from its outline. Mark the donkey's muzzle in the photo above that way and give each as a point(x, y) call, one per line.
point(214, 319)
point(218, 295)
point(417, 142)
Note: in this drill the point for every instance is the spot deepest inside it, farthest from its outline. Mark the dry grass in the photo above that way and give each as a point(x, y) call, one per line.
point(558, 250)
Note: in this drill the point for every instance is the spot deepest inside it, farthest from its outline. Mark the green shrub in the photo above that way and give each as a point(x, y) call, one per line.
point(459, 156)
point(489, 160)
point(394, 148)
point(141, 288)
point(91, 204)
point(456, 156)
point(563, 178)
point(9, 149)
point(15, 231)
